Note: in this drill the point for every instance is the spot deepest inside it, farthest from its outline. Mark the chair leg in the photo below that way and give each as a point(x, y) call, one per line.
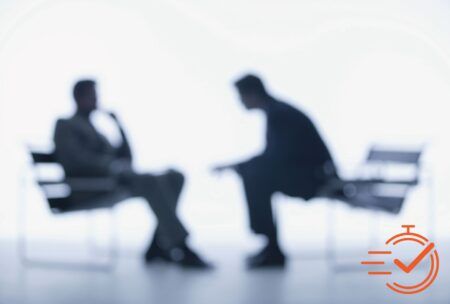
point(114, 237)
point(331, 234)
point(332, 244)
point(431, 209)
point(27, 261)
point(112, 250)
point(91, 243)
point(90, 232)
point(374, 224)
point(21, 219)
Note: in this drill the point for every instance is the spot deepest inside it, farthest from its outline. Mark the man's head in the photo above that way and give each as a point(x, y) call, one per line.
point(252, 92)
point(85, 95)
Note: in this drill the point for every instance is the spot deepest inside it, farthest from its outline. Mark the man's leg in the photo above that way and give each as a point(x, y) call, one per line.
point(171, 232)
point(258, 195)
point(148, 186)
point(171, 184)
point(259, 186)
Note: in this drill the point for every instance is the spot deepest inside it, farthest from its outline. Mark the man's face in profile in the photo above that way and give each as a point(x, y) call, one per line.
point(249, 100)
point(88, 102)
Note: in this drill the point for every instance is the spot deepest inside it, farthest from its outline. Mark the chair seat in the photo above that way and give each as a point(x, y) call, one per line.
point(77, 202)
point(373, 194)
point(407, 182)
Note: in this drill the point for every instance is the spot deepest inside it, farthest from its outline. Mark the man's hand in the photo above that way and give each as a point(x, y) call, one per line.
point(113, 115)
point(221, 169)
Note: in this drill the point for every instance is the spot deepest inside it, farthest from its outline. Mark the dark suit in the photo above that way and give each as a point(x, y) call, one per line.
point(84, 152)
point(295, 162)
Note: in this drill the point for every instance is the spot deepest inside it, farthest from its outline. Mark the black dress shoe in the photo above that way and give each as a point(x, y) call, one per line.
point(155, 253)
point(187, 258)
point(267, 258)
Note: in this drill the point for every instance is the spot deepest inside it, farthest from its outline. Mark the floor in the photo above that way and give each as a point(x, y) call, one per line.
point(305, 280)
point(220, 232)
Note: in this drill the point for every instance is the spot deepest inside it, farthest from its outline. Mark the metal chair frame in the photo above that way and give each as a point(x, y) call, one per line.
point(87, 184)
point(382, 158)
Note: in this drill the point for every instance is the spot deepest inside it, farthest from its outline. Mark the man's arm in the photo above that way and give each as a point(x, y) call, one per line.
point(124, 151)
point(238, 167)
point(277, 145)
point(72, 152)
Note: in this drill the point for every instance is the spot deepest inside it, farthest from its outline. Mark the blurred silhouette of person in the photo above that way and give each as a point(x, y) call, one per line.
point(295, 162)
point(85, 152)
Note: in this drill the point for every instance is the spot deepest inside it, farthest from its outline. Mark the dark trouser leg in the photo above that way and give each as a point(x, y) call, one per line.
point(171, 184)
point(258, 192)
point(169, 226)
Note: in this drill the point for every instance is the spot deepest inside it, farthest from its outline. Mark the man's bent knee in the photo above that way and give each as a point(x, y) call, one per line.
point(176, 178)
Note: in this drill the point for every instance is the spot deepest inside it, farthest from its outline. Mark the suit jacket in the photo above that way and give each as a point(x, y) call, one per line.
point(295, 152)
point(83, 151)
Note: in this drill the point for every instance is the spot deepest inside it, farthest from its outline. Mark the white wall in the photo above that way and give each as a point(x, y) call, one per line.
point(366, 71)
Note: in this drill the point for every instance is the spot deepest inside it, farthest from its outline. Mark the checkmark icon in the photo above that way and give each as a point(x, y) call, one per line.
point(417, 260)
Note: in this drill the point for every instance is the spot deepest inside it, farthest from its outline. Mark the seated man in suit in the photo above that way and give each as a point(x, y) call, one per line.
point(295, 162)
point(84, 152)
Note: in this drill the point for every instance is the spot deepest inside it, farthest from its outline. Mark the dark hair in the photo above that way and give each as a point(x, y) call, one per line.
point(82, 87)
point(250, 84)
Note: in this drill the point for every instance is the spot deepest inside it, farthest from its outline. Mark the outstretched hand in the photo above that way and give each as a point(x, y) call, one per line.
point(221, 169)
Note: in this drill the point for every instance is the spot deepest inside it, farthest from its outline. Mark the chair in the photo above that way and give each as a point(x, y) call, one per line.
point(372, 189)
point(60, 197)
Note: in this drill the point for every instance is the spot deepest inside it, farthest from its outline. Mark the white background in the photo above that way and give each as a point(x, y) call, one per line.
point(366, 71)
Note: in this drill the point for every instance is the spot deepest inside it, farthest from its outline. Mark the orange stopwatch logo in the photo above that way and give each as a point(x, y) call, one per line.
point(427, 253)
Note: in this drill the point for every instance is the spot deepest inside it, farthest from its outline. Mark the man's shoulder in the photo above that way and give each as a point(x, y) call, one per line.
point(286, 109)
point(73, 119)
point(63, 121)
point(67, 123)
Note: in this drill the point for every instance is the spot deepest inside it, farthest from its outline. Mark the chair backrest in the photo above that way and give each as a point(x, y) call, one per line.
point(384, 159)
point(411, 157)
point(59, 191)
point(55, 190)
point(43, 158)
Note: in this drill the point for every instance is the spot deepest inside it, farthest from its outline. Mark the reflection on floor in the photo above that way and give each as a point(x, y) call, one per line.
point(304, 281)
